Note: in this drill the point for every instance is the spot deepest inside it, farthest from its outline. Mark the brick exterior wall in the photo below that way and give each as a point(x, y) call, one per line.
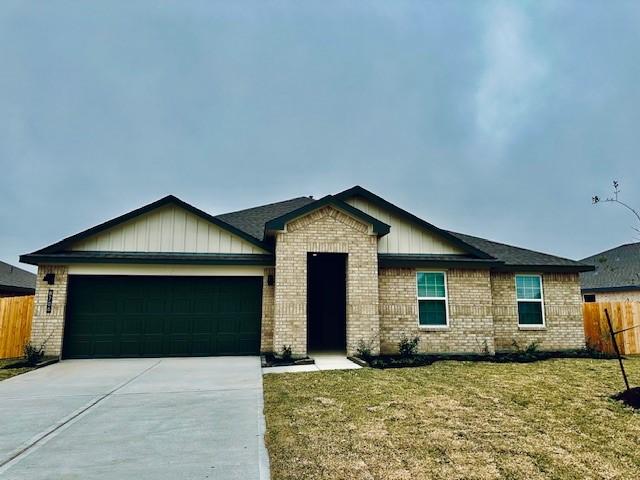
point(47, 328)
point(470, 312)
point(563, 313)
point(268, 307)
point(325, 230)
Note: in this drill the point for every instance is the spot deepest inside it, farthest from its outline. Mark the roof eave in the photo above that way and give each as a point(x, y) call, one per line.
point(631, 288)
point(424, 261)
point(65, 258)
point(544, 268)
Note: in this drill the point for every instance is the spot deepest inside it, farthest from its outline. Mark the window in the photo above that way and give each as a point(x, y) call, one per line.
point(530, 300)
point(589, 298)
point(432, 299)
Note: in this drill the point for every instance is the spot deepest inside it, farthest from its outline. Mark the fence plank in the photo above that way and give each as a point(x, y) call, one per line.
point(624, 315)
point(15, 325)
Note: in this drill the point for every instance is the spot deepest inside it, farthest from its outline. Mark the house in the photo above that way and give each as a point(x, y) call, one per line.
point(15, 281)
point(334, 273)
point(616, 277)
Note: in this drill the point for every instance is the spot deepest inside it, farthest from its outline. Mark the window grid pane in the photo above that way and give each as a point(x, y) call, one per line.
point(528, 287)
point(530, 313)
point(431, 284)
point(432, 312)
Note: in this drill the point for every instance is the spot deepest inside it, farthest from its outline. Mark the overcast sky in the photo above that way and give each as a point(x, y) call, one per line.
point(497, 119)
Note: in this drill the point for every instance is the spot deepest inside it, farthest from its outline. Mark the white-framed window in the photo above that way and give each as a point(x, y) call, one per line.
point(433, 304)
point(530, 299)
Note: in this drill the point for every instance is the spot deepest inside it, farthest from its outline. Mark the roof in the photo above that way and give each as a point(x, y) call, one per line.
point(615, 269)
point(521, 257)
point(15, 277)
point(252, 220)
point(252, 223)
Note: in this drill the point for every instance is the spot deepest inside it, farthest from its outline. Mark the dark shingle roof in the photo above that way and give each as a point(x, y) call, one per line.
point(515, 256)
point(11, 276)
point(615, 268)
point(252, 220)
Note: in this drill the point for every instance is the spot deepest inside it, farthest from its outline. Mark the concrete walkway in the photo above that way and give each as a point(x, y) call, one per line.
point(323, 361)
point(155, 419)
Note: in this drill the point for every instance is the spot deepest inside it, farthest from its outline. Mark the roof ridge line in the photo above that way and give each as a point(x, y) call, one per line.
point(265, 205)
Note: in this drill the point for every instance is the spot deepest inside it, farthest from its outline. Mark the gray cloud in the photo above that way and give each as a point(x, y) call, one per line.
point(499, 119)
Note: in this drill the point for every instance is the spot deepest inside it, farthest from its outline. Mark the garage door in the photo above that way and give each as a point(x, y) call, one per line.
point(114, 316)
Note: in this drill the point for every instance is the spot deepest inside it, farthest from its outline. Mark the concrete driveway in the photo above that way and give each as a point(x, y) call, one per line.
point(168, 418)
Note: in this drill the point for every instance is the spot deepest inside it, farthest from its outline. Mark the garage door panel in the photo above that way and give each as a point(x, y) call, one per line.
point(131, 324)
point(105, 347)
point(162, 316)
point(179, 324)
point(83, 346)
point(153, 345)
point(153, 324)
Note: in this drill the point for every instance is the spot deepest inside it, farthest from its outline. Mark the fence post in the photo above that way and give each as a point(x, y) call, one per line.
point(615, 347)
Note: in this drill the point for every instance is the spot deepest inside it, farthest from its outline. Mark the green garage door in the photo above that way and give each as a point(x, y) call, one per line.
point(118, 316)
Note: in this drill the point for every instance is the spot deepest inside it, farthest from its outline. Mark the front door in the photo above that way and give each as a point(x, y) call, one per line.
point(326, 301)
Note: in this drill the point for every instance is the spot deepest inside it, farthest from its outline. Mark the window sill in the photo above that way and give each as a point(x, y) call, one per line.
point(532, 327)
point(433, 328)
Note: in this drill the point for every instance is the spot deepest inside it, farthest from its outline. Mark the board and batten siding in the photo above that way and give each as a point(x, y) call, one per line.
point(167, 229)
point(404, 237)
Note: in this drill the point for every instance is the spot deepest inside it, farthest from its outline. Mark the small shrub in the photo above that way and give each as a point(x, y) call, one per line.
point(408, 347)
point(32, 354)
point(286, 352)
point(365, 349)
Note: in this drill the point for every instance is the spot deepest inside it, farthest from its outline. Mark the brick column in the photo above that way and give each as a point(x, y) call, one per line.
point(49, 308)
point(268, 305)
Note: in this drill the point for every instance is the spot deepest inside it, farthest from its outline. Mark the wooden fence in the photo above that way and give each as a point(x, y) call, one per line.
point(15, 325)
point(624, 315)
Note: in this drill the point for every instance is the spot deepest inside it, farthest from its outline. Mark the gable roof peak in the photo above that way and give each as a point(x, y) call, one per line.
point(166, 200)
point(379, 227)
point(357, 190)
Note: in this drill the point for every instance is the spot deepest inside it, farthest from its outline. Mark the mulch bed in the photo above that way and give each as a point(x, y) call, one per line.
point(397, 361)
point(270, 360)
point(25, 364)
point(629, 397)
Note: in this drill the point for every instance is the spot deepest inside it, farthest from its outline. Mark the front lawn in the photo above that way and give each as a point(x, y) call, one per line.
point(454, 420)
point(11, 372)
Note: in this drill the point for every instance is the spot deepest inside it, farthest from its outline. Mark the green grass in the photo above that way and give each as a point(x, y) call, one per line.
point(454, 420)
point(11, 372)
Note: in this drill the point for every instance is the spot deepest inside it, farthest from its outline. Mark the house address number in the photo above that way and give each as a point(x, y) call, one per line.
point(49, 300)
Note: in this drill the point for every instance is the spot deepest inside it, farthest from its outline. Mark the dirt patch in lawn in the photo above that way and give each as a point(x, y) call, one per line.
point(454, 420)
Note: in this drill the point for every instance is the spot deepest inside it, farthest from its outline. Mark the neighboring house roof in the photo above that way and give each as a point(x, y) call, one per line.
point(253, 220)
point(615, 269)
point(14, 278)
point(521, 257)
